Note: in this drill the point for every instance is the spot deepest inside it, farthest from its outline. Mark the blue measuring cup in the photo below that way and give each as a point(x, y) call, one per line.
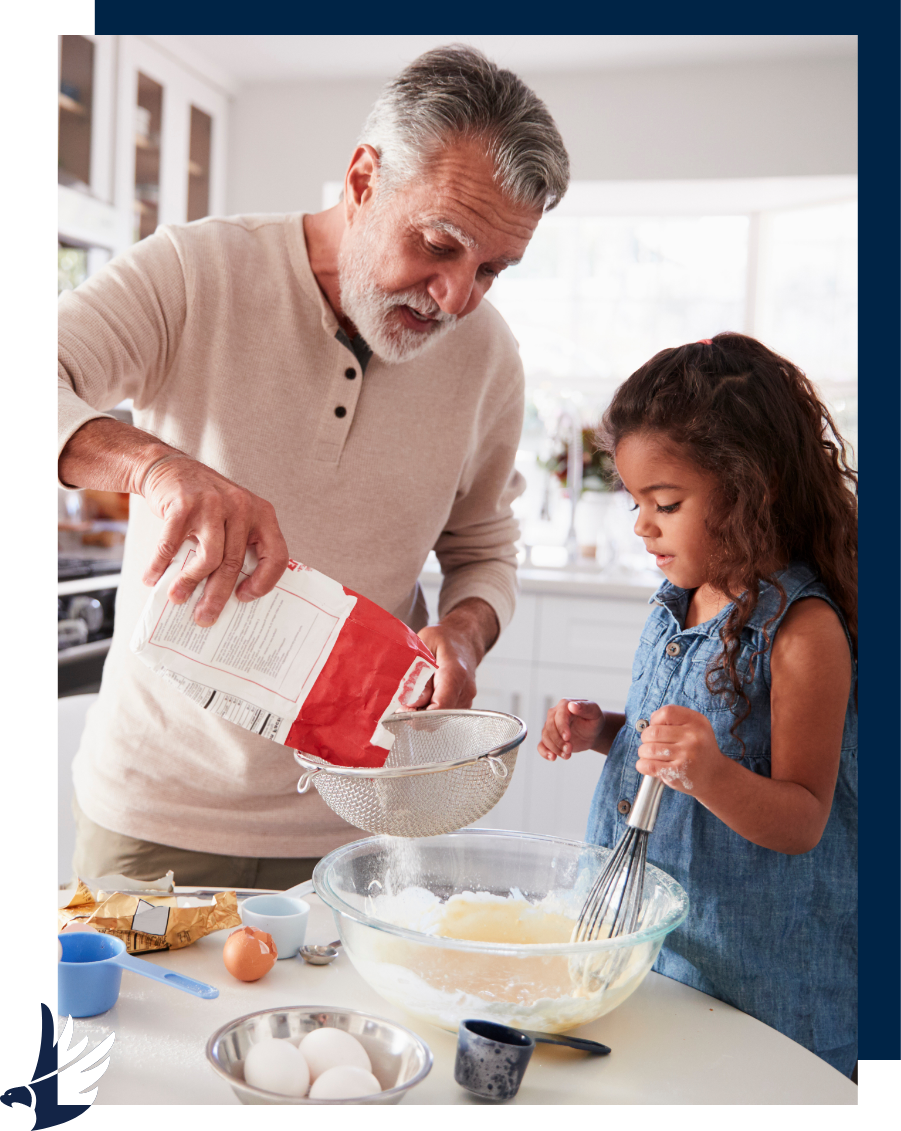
point(90, 973)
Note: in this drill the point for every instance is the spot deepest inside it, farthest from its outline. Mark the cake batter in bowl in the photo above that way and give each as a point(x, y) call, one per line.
point(477, 923)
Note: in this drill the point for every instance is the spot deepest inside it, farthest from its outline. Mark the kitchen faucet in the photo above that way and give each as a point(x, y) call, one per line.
point(569, 418)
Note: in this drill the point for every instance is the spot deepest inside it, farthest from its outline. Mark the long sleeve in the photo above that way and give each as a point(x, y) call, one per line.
point(477, 549)
point(118, 333)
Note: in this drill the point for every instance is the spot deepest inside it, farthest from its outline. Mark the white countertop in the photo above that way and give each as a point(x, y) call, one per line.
point(578, 580)
point(670, 1044)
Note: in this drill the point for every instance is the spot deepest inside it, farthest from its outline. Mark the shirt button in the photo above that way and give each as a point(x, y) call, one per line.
point(641, 724)
point(624, 806)
point(350, 374)
point(673, 649)
point(340, 411)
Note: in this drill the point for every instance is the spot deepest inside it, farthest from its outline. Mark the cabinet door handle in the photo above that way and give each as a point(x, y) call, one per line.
point(548, 703)
point(515, 703)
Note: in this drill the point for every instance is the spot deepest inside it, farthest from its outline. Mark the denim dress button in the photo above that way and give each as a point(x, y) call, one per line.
point(624, 806)
point(641, 724)
point(673, 649)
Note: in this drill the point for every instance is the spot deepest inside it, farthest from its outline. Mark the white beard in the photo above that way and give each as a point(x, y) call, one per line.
point(370, 308)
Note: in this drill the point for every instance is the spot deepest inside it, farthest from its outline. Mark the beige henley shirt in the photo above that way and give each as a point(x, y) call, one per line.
point(220, 335)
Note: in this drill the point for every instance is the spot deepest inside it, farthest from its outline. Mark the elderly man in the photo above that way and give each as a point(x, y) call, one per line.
point(330, 385)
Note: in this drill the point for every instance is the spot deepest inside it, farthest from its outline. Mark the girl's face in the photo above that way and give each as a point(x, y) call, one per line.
point(672, 496)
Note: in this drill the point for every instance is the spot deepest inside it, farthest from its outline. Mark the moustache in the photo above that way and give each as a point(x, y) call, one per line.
point(425, 307)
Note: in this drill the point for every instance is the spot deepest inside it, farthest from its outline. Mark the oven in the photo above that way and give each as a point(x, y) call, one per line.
point(85, 604)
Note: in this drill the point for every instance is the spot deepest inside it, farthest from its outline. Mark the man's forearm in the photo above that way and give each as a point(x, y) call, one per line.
point(110, 455)
point(478, 620)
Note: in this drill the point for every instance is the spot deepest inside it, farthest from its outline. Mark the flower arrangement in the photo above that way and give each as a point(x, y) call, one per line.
point(598, 471)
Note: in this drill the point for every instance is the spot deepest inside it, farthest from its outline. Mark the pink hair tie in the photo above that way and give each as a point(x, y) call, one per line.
point(704, 342)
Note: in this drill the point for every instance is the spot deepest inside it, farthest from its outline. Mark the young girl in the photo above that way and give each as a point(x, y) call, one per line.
point(743, 697)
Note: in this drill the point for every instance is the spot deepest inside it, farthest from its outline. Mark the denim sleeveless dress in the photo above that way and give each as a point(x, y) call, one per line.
point(771, 934)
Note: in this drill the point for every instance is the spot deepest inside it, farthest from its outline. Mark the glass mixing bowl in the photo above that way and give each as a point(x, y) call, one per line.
point(390, 895)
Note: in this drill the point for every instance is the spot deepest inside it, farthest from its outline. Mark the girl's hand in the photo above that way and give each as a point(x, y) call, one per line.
point(574, 724)
point(679, 747)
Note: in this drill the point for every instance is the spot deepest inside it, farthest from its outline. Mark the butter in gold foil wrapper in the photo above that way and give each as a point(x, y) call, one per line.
point(148, 922)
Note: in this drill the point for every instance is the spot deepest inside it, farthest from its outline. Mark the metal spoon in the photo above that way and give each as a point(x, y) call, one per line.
point(320, 955)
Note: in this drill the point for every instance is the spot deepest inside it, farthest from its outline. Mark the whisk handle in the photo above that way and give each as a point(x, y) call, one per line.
point(643, 814)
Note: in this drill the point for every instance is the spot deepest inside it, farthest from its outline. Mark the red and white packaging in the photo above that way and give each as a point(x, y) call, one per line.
point(311, 665)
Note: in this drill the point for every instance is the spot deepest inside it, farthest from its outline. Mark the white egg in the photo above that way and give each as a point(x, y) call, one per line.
point(277, 1066)
point(344, 1082)
point(332, 1048)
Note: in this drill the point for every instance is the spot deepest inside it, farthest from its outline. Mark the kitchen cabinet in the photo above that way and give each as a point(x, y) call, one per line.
point(566, 638)
point(170, 141)
point(142, 142)
point(87, 215)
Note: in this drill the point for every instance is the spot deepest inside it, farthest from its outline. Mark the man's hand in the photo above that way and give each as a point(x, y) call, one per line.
point(196, 502)
point(459, 642)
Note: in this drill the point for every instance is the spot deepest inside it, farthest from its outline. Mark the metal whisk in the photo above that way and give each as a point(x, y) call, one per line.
point(614, 902)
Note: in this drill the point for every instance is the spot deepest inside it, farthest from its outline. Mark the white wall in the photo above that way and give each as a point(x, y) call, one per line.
point(736, 119)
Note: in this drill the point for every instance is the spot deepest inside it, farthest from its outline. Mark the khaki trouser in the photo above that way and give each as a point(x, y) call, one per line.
point(99, 852)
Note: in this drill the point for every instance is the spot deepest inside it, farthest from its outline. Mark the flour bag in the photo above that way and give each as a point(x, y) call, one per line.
point(312, 665)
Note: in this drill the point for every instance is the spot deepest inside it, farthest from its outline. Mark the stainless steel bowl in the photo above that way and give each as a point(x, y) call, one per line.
point(400, 1059)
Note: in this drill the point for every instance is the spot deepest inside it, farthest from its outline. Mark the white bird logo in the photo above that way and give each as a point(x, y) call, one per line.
point(74, 1076)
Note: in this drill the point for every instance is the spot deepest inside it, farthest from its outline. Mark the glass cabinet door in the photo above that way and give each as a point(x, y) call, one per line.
point(199, 164)
point(76, 93)
point(170, 166)
point(148, 121)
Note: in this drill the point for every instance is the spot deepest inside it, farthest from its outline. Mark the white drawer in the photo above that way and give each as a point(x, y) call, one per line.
point(552, 682)
point(517, 641)
point(503, 685)
point(589, 632)
point(560, 792)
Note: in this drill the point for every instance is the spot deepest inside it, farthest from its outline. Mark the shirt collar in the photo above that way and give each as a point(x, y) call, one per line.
point(300, 261)
point(673, 599)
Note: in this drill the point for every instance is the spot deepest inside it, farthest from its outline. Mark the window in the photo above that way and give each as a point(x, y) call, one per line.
point(623, 271)
point(598, 294)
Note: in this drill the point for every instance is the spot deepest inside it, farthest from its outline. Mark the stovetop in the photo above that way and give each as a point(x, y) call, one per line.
point(70, 568)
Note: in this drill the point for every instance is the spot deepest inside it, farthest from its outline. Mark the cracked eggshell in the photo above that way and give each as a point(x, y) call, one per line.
point(249, 953)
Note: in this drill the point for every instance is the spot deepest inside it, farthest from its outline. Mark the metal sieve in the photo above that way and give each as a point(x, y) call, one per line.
point(445, 770)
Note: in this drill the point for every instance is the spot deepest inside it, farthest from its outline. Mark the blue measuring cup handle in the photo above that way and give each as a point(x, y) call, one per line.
point(169, 977)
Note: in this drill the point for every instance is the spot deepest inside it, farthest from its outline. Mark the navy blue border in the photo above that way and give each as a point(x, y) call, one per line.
point(113, 17)
point(880, 539)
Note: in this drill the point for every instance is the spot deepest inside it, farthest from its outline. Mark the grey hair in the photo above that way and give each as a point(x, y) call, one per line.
point(453, 93)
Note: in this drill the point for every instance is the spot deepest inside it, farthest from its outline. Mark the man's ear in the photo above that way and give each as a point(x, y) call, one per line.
point(360, 181)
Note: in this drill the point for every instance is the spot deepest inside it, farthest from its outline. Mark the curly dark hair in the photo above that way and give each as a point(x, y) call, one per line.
point(785, 487)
